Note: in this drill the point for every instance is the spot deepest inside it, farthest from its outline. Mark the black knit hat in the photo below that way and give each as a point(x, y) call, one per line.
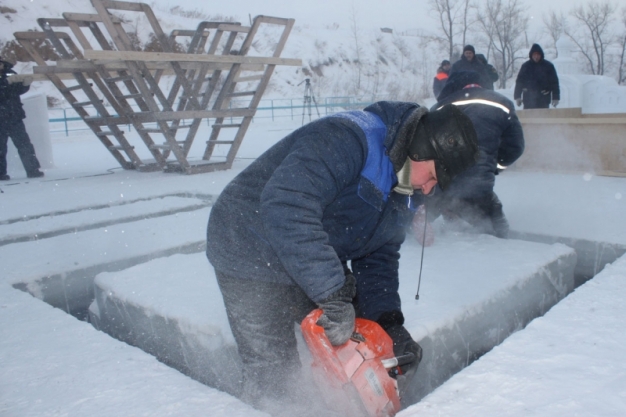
point(469, 48)
point(444, 62)
point(446, 135)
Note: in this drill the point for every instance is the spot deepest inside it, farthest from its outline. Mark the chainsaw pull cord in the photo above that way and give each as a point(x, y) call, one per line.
point(419, 279)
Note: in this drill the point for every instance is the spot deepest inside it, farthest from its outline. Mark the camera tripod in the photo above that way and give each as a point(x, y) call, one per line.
point(308, 97)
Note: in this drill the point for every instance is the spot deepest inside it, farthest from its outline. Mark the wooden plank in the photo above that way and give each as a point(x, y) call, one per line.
point(35, 36)
point(85, 17)
point(274, 20)
point(177, 57)
point(65, 66)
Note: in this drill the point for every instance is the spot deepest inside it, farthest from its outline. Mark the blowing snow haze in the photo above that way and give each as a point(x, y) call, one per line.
point(341, 44)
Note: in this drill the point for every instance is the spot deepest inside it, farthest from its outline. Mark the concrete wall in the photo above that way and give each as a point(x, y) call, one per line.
point(565, 140)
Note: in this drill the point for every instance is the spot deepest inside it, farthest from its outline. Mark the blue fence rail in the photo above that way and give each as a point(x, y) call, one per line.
point(273, 109)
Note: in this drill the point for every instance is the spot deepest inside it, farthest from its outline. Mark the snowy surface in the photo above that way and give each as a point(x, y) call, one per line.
point(54, 364)
point(570, 362)
point(167, 304)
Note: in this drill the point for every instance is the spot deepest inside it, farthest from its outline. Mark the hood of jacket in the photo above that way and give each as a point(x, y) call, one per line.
point(535, 48)
point(401, 119)
point(481, 58)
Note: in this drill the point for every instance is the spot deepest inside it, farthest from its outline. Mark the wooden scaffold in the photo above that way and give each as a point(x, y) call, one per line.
point(163, 95)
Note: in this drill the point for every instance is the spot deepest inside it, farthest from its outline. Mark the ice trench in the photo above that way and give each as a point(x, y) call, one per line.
point(202, 350)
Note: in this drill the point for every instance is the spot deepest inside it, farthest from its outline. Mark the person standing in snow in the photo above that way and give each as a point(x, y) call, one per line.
point(442, 76)
point(11, 122)
point(537, 83)
point(317, 221)
point(492, 73)
point(468, 62)
point(470, 196)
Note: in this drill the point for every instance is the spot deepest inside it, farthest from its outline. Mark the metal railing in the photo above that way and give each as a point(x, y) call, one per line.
point(67, 120)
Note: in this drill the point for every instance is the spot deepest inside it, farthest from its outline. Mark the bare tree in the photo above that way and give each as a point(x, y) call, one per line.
point(555, 25)
point(504, 23)
point(596, 19)
point(466, 22)
point(454, 19)
point(358, 50)
point(621, 74)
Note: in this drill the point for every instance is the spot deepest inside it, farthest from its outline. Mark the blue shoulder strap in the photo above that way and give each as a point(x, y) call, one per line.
point(378, 175)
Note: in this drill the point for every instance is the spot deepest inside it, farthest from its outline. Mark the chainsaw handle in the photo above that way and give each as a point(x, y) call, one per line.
point(398, 361)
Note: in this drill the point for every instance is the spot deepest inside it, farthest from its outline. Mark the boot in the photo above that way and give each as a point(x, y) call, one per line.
point(5, 177)
point(34, 174)
point(498, 219)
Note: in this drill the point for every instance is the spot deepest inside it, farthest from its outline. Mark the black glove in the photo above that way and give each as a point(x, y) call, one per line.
point(403, 344)
point(339, 315)
point(392, 322)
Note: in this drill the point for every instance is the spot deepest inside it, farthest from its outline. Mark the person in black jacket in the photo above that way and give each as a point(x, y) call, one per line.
point(537, 84)
point(468, 62)
point(470, 196)
point(317, 221)
point(11, 124)
point(492, 73)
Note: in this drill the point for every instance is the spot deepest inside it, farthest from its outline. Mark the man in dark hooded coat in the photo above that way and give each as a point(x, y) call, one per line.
point(11, 124)
point(317, 221)
point(470, 196)
point(537, 84)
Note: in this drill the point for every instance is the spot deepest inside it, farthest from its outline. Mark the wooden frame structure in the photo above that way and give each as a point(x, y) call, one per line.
point(164, 95)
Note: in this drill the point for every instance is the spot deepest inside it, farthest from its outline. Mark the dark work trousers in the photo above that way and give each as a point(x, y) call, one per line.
point(262, 317)
point(535, 100)
point(17, 131)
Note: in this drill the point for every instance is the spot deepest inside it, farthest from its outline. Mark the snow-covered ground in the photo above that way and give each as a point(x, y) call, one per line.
point(571, 361)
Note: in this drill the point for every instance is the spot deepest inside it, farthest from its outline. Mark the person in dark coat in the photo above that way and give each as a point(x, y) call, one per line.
point(492, 73)
point(442, 76)
point(11, 122)
point(470, 196)
point(468, 62)
point(317, 221)
point(537, 83)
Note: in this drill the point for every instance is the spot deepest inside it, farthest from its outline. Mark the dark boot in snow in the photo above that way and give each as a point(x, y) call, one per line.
point(34, 174)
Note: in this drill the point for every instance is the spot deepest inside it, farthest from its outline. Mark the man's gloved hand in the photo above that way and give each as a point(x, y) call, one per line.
point(518, 101)
point(392, 322)
point(555, 103)
point(339, 315)
point(403, 343)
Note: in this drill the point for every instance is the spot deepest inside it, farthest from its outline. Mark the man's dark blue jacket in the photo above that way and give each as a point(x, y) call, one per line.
point(319, 198)
point(498, 130)
point(11, 110)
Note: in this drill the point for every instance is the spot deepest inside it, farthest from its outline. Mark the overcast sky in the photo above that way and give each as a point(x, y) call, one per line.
point(397, 14)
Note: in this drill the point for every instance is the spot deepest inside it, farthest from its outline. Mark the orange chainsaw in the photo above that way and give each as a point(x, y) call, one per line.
point(355, 378)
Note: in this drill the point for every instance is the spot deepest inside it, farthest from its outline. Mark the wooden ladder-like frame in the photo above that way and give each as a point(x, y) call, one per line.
point(113, 85)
